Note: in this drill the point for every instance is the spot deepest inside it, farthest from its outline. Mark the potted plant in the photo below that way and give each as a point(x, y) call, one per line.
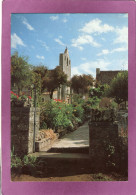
point(18, 101)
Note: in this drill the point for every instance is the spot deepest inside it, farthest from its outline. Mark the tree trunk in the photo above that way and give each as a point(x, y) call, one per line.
point(19, 90)
point(51, 94)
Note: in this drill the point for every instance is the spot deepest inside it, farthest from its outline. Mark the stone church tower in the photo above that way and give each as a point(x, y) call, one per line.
point(65, 63)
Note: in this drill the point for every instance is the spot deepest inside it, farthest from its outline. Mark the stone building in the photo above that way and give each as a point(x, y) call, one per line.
point(63, 92)
point(105, 77)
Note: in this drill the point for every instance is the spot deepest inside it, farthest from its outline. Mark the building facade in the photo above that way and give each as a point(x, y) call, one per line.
point(64, 92)
point(105, 77)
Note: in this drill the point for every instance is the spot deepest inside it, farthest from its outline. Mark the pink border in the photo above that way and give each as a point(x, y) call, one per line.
point(71, 188)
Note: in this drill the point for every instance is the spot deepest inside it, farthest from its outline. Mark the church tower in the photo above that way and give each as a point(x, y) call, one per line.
point(65, 64)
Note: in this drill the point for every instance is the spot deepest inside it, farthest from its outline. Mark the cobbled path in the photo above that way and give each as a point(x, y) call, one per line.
point(78, 138)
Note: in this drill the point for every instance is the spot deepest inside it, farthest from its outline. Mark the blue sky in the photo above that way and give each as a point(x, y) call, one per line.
point(93, 40)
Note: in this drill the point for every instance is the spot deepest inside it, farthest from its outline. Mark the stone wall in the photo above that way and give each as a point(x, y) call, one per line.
point(44, 139)
point(22, 129)
point(107, 150)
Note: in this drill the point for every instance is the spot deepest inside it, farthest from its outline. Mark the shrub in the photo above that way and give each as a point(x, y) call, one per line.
point(16, 162)
point(29, 160)
point(56, 114)
point(79, 111)
point(78, 99)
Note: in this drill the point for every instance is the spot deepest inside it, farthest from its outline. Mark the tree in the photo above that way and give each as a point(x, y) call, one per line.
point(39, 73)
point(119, 88)
point(80, 84)
point(98, 91)
point(20, 72)
point(53, 79)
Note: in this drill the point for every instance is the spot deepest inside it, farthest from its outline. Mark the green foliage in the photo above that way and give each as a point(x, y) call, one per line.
point(20, 71)
point(39, 74)
point(119, 87)
point(78, 99)
point(99, 91)
point(81, 83)
point(17, 162)
point(57, 114)
point(94, 102)
point(114, 104)
point(79, 111)
point(53, 79)
point(29, 161)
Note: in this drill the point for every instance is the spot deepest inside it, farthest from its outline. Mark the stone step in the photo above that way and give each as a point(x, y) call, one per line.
point(60, 155)
point(83, 150)
point(62, 159)
point(59, 164)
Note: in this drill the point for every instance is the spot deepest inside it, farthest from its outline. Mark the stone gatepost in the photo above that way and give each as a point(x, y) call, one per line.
point(103, 138)
point(22, 129)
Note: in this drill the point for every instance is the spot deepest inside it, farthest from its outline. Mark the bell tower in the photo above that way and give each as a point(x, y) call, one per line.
point(65, 64)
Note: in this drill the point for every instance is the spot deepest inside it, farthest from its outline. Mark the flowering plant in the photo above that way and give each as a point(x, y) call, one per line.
point(58, 100)
point(19, 99)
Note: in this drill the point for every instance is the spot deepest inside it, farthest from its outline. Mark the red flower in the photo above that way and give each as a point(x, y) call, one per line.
point(29, 97)
point(14, 94)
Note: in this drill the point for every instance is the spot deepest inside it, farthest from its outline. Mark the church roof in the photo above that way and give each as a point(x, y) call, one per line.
point(105, 77)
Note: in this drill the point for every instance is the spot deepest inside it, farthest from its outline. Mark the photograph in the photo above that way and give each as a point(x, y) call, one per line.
point(69, 97)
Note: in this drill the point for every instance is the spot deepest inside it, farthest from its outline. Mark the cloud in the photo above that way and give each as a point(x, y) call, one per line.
point(25, 22)
point(15, 40)
point(60, 37)
point(103, 52)
point(75, 71)
point(83, 59)
point(82, 40)
point(64, 20)
point(90, 67)
point(120, 49)
point(106, 51)
point(40, 57)
point(122, 35)
point(96, 26)
point(54, 18)
point(59, 41)
point(43, 44)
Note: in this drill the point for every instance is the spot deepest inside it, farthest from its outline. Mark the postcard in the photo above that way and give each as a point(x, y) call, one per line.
point(68, 97)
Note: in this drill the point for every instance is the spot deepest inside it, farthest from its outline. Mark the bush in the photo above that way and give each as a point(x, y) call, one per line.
point(78, 99)
point(25, 164)
point(59, 115)
point(56, 114)
point(79, 111)
point(29, 161)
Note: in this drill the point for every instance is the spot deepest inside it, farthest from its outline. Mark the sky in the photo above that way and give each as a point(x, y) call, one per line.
point(93, 40)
